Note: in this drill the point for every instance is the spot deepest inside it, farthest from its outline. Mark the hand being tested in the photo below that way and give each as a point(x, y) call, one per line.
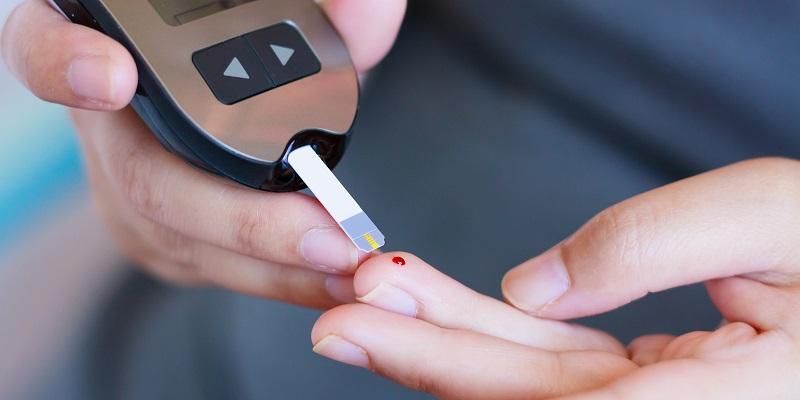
point(736, 229)
point(175, 220)
point(430, 333)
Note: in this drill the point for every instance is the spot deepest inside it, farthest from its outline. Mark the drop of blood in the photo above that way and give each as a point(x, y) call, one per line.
point(399, 261)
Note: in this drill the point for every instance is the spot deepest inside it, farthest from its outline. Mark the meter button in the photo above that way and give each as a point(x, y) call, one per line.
point(285, 53)
point(232, 70)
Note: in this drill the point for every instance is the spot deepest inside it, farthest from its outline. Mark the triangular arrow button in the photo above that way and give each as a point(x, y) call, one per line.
point(284, 54)
point(236, 70)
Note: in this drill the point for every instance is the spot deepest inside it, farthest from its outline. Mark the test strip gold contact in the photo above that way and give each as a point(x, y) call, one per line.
point(336, 199)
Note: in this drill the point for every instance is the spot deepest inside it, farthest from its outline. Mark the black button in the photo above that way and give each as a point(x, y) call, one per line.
point(285, 53)
point(232, 70)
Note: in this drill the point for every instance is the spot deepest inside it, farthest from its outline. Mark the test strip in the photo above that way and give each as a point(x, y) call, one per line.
point(336, 199)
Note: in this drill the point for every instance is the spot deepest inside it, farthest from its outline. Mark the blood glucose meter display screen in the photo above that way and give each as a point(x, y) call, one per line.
point(179, 12)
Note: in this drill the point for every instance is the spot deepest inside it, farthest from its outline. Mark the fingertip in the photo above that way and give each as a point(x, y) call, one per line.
point(67, 63)
point(333, 322)
point(405, 284)
point(318, 331)
point(100, 77)
point(330, 339)
point(384, 268)
point(387, 258)
point(369, 28)
point(537, 284)
point(342, 350)
point(124, 78)
point(646, 350)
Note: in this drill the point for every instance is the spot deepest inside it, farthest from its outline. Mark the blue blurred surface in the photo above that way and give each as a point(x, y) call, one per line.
point(39, 159)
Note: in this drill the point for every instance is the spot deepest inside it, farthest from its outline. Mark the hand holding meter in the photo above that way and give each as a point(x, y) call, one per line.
point(235, 86)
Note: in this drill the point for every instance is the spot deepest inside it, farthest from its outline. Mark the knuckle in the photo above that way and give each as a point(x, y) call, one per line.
point(250, 228)
point(172, 257)
point(179, 247)
point(622, 232)
point(166, 255)
point(135, 174)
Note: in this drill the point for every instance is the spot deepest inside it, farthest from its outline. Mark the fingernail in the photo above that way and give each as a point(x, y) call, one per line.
point(391, 298)
point(341, 289)
point(537, 284)
point(90, 78)
point(329, 250)
point(338, 349)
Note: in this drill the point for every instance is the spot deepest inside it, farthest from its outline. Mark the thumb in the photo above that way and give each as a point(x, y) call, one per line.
point(66, 63)
point(743, 220)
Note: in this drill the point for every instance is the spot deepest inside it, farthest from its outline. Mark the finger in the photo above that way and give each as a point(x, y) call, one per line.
point(249, 276)
point(732, 363)
point(454, 364)
point(67, 63)
point(368, 27)
point(286, 229)
point(177, 258)
point(647, 350)
point(274, 282)
point(757, 303)
point(286, 284)
point(222, 268)
point(418, 290)
point(743, 219)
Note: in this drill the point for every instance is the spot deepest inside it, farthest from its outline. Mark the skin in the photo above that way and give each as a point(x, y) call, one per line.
point(224, 235)
point(736, 229)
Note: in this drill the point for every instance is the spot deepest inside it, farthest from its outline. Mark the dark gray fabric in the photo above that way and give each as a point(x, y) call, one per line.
point(494, 130)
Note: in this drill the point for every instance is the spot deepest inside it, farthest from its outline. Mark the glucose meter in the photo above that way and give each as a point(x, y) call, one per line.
point(261, 91)
point(234, 86)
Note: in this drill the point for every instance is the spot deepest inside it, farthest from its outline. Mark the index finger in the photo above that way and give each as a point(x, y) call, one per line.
point(417, 289)
point(285, 228)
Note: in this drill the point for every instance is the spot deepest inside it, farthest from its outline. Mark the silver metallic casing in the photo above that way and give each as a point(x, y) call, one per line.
point(259, 128)
point(248, 141)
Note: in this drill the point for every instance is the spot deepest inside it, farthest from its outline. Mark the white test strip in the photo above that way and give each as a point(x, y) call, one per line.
point(336, 199)
point(57, 8)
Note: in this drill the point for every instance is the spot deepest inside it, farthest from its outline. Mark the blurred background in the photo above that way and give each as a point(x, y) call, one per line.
point(54, 254)
point(39, 164)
